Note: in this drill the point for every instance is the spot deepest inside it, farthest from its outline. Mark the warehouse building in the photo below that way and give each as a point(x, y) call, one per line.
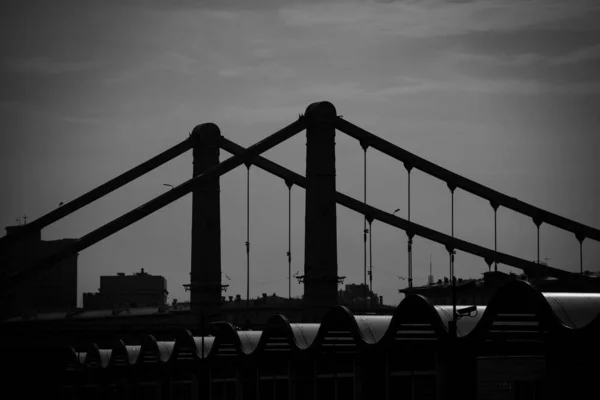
point(523, 345)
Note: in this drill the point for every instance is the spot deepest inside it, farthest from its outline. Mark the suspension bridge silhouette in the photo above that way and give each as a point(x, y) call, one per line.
point(320, 278)
point(519, 316)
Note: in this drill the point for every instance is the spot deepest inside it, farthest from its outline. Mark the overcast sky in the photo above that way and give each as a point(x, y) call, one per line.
point(506, 93)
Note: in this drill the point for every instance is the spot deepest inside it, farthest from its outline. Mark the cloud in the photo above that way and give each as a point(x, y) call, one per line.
point(585, 54)
point(331, 91)
point(503, 59)
point(432, 18)
point(261, 114)
point(46, 66)
point(265, 70)
point(407, 85)
point(31, 109)
point(226, 15)
point(168, 62)
point(81, 120)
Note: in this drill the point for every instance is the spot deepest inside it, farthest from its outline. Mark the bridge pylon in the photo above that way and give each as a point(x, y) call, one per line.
point(320, 251)
point(205, 282)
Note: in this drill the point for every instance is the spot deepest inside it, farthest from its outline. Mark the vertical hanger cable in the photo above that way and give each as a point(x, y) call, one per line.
point(365, 230)
point(248, 235)
point(371, 255)
point(410, 272)
point(289, 252)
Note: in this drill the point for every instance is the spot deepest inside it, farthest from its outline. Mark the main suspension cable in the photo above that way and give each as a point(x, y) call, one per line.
point(289, 252)
point(248, 165)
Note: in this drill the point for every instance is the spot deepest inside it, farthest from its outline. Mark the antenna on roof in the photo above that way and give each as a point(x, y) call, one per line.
point(430, 277)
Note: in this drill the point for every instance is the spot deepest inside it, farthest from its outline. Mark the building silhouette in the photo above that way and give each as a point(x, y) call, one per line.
point(53, 290)
point(128, 291)
point(353, 296)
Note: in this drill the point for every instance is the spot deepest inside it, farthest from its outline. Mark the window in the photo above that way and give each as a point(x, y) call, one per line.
point(400, 387)
point(223, 389)
point(148, 391)
point(345, 388)
point(282, 389)
point(266, 389)
point(116, 392)
point(335, 378)
point(68, 392)
point(326, 388)
point(424, 387)
point(181, 390)
point(527, 390)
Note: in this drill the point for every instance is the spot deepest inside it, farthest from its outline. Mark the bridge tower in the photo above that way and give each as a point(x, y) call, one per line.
point(320, 251)
point(205, 285)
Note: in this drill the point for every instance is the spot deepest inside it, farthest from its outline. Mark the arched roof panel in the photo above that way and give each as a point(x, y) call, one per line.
point(204, 345)
point(517, 309)
point(165, 350)
point(133, 353)
point(416, 319)
point(105, 356)
point(372, 328)
point(304, 334)
point(574, 310)
point(95, 357)
point(249, 340)
point(120, 356)
point(154, 351)
point(69, 358)
point(465, 324)
point(338, 330)
point(227, 341)
point(279, 332)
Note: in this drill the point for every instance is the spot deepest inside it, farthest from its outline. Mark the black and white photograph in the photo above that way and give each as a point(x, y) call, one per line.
point(300, 199)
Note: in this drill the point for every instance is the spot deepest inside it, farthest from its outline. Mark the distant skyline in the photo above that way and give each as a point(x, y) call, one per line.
point(503, 92)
